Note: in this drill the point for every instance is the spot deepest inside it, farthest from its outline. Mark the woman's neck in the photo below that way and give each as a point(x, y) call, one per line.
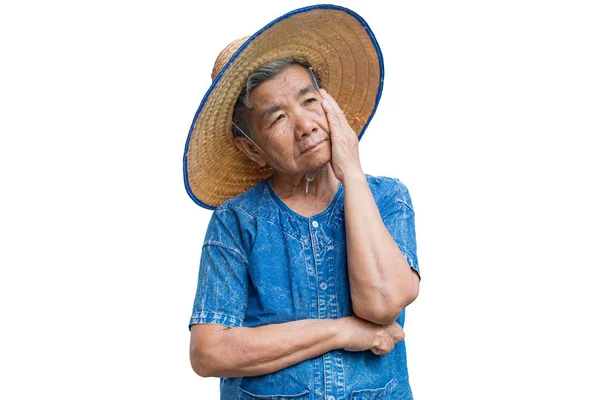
point(306, 194)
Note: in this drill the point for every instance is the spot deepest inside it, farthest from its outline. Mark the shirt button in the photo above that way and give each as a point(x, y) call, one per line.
point(323, 285)
point(330, 397)
point(315, 224)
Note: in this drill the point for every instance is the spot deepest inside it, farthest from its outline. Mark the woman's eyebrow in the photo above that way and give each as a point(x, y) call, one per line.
point(269, 110)
point(306, 89)
point(276, 107)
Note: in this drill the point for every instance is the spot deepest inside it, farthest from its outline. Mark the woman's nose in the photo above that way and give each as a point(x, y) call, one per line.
point(305, 124)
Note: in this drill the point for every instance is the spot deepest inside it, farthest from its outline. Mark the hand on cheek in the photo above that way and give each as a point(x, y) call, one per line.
point(345, 160)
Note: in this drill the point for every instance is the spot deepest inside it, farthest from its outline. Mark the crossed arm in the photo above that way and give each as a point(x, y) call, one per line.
point(217, 350)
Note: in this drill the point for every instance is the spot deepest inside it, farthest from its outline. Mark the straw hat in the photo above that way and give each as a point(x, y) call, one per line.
point(343, 52)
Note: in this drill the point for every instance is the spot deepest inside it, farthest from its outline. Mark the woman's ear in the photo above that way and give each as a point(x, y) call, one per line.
point(251, 151)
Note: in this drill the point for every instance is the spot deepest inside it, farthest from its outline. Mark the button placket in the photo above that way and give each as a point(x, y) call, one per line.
point(332, 367)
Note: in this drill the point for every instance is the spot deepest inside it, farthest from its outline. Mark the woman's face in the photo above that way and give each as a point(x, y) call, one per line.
point(289, 123)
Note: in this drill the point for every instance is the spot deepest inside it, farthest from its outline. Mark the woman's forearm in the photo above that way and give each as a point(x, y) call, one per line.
point(381, 281)
point(262, 350)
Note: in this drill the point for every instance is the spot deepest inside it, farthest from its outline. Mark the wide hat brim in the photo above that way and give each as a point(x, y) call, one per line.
point(340, 47)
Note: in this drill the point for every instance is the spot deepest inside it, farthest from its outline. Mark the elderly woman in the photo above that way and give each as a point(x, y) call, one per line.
point(308, 263)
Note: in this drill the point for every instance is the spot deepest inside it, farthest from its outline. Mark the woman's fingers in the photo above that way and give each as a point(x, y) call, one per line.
point(344, 143)
point(330, 110)
point(331, 101)
point(335, 115)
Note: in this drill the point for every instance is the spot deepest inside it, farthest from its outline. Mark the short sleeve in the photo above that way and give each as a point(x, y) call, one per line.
point(222, 291)
point(399, 218)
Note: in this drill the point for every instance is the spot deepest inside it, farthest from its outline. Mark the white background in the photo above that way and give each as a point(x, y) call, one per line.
point(490, 115)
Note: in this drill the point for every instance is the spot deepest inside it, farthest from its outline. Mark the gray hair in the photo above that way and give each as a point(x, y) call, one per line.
point(243, 106)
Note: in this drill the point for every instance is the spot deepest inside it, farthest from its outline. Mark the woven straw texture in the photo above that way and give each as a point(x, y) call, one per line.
point(341, 52)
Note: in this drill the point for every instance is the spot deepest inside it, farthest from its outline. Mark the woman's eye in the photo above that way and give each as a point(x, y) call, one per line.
point(310, 100)
point(279, 118)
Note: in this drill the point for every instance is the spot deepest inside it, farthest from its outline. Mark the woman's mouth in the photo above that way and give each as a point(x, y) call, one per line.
point(313, 147)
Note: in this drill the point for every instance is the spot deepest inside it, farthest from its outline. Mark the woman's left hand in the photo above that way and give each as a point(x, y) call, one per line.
point(344, 142)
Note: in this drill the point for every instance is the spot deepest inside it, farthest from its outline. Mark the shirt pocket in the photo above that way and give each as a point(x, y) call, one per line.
point(245, 395)
point(385, 392)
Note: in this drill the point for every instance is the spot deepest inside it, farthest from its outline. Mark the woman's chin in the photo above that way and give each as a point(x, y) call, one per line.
point(316, 166)
point(320, 159)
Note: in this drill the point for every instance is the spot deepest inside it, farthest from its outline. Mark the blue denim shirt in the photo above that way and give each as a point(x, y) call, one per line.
point(262, 263)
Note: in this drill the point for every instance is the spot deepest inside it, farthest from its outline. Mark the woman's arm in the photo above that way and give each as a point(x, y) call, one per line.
point(217, 350)
point(381, 281)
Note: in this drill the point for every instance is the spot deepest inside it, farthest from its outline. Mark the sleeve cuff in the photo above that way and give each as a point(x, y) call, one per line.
point(411, 263)
point(214, 317)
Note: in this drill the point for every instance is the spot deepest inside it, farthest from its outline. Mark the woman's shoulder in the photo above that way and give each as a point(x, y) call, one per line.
point(386, 184)
point(385, 188)
point(248, 202)
point(234, 221)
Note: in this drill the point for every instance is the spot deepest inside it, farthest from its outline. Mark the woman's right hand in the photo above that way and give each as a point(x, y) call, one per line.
point(358, 335)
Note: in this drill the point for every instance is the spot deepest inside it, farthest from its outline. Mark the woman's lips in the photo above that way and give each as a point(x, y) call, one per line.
point(313, 147)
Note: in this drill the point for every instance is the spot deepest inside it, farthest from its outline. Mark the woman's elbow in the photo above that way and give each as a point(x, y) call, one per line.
point(206, 350)
point(381, 314)
point(385, 312)
point(375, 316)
point(199, 363)
point(203, 361)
